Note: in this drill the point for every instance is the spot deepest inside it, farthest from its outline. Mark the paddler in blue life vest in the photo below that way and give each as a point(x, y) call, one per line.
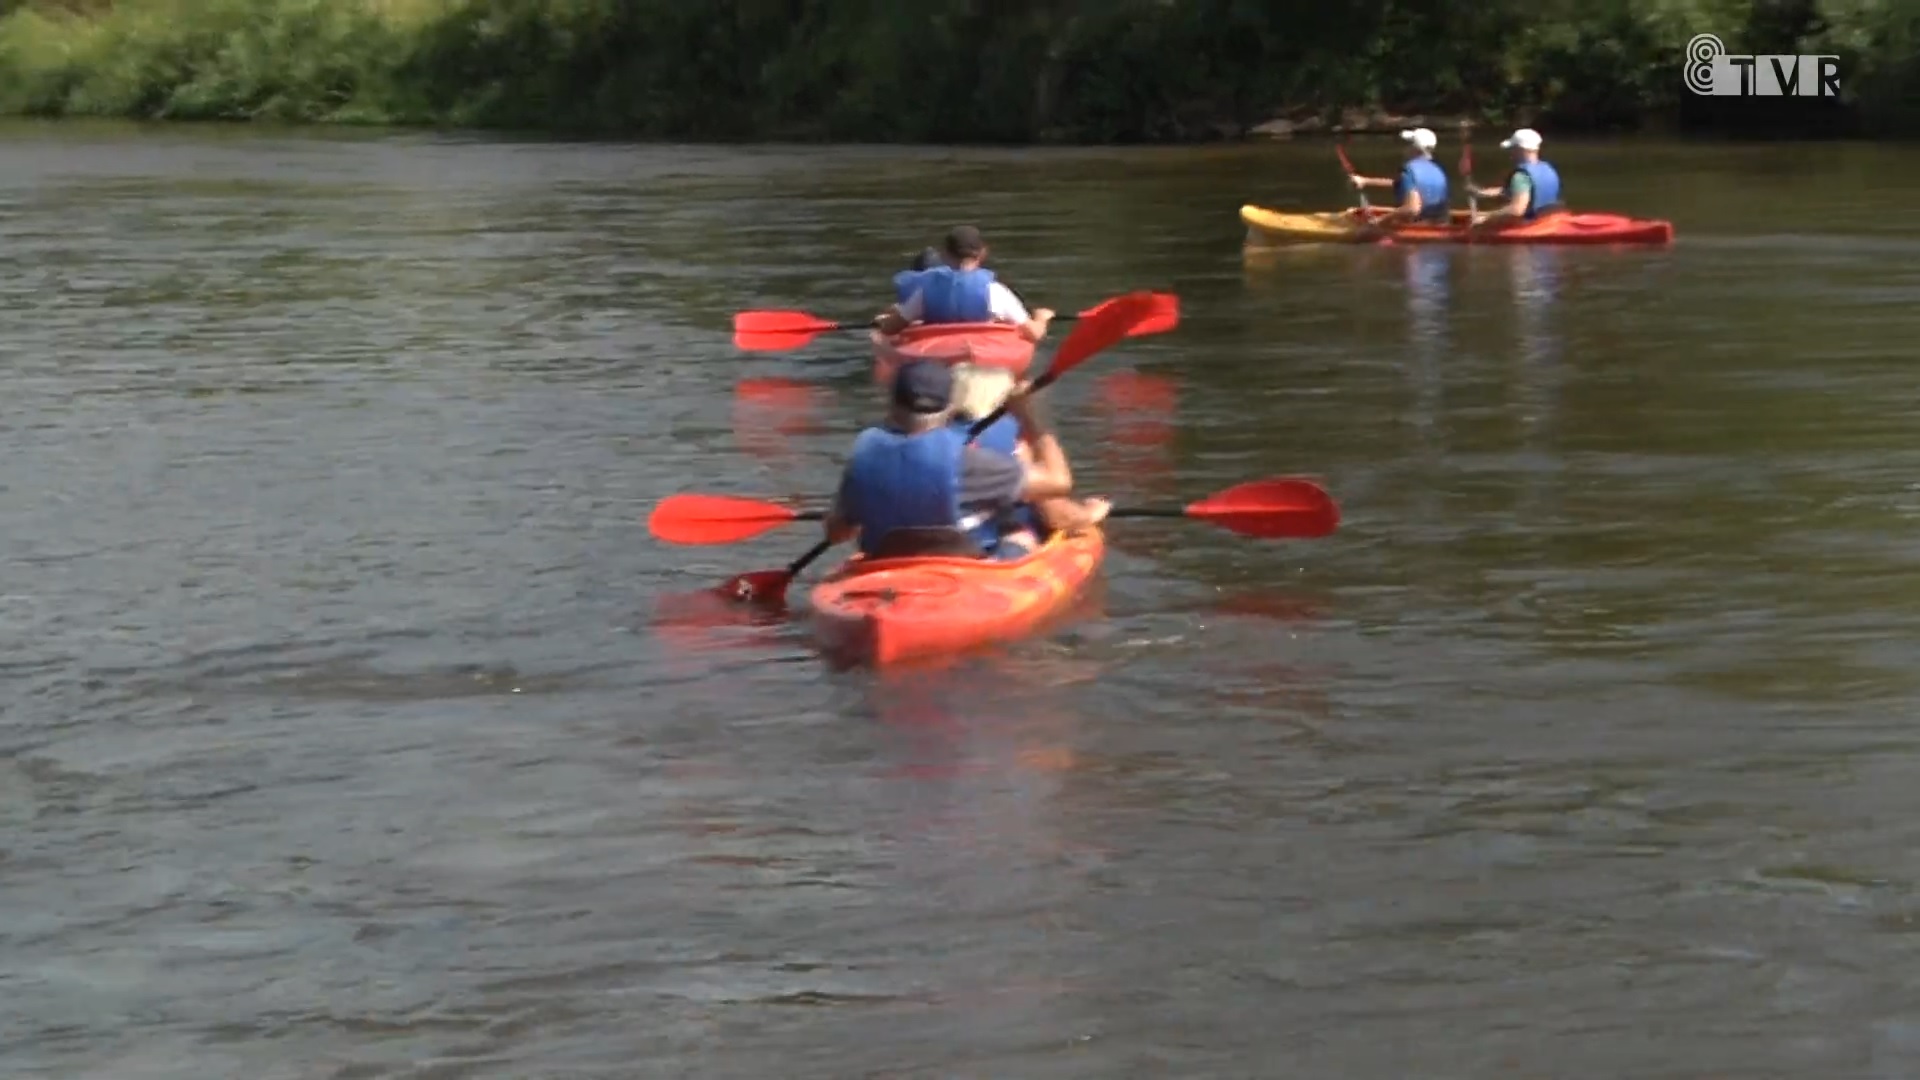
point(907, 282)
point(1532, 189)
point(960, 290)
point(979, 390)
point(1420, 191)
point(913, 486)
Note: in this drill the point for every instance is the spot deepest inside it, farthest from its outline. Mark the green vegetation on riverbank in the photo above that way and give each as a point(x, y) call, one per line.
point(930, 70)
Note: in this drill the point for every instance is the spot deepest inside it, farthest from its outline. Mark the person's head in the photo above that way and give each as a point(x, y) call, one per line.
point(965, 246)
point(927, 259)
point(979, 390)
point(1524, 143)
point(1420, 142)
point(922, 396)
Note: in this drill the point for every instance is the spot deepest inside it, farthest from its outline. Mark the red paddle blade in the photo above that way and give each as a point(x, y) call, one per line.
point(1345, 163)
point(1108, 325)
point(773, 342)
point(770, 414)
point(780, 322)
point(758, 587)
point(1164, 317)
point(778, 331)
point(1272, 509)
point(715, 519)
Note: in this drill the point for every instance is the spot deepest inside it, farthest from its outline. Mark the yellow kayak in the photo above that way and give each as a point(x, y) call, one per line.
point(1274, 227)
point(1267, 227)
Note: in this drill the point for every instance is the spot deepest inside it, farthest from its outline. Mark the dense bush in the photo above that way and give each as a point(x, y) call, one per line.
point(932, 70)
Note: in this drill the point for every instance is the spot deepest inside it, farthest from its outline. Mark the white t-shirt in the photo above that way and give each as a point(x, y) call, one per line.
point(1005, 307)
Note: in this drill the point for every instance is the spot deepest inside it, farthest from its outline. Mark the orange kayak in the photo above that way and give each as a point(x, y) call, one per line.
point(1347, 227)
point(982, 344)
point(881, 611)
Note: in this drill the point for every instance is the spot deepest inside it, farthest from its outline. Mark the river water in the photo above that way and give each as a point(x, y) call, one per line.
point(352, 726)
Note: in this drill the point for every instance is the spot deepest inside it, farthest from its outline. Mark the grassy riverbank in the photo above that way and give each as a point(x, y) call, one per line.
point(933, 70)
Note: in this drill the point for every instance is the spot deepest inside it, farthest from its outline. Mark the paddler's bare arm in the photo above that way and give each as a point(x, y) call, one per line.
point(838, 529)
point(1515, 209)
point(1036, 328)
point(891, 321)
point(1048, 474)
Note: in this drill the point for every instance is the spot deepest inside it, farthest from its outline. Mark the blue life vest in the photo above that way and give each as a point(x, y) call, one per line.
point(904, 284)
point(1002, 436)
point(1546, 188)
point(895, 481)
point(1430, 181)
point(952, 296)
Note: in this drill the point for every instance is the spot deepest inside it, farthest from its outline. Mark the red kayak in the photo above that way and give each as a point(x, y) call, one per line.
point(996, 345)
point(883, 611)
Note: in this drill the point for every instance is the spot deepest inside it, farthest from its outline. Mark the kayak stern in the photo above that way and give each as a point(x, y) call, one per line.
point(996, 345)
point(885, 611)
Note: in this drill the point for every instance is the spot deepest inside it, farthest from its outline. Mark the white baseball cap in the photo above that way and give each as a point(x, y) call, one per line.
point(1420, 137)
point(1525, 139)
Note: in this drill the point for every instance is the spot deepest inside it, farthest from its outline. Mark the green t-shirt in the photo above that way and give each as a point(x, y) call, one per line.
point(1521, 182)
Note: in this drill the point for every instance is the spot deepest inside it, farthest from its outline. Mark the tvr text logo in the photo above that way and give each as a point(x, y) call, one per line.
point(1711, 72)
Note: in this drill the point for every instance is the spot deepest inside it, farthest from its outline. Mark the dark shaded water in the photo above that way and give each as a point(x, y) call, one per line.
point(348, 727)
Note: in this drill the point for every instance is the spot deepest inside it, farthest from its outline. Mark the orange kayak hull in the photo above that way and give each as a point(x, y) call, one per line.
point(885, 611)
point(1348, 227)
point(997, 345)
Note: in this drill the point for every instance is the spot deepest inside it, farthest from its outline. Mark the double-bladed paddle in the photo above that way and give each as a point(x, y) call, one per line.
point(1366, 214)
point(1466, 170)
point(1099, 328)
point(1347, 164)
point(1280, 508)
point(780, 331)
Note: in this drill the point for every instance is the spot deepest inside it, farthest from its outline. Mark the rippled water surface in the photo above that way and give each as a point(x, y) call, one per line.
point(352, 726)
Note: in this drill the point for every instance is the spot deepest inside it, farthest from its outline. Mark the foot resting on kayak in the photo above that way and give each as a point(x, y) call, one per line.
point(916, 476)
point(959, 290)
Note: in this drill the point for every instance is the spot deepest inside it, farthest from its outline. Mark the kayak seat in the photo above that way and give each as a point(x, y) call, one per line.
point(913, 543)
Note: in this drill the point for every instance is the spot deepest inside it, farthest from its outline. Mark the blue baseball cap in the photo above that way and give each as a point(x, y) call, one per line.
point(923, 386)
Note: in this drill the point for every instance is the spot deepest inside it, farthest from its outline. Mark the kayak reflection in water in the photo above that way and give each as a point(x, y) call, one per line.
point(913, 486)
point(977, 392)
point(1421, 188)
point(1532, 189)
point(959, 290)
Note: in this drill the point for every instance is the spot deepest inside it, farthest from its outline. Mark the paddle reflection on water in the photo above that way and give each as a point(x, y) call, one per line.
point(1137, 413)
point(771, 416)
point(692, 625)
